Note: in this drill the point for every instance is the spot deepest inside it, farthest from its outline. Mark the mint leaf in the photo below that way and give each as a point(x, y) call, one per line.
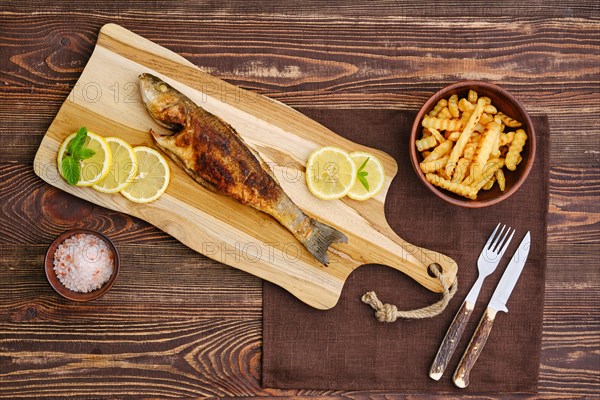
point(84, 154)
point(71, 170)
point(363, 165)
point(78, 141)
point(363, 180)
point(361, 175)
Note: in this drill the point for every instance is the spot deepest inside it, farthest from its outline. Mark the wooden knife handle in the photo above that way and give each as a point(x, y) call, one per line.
point(461, 375)
point(455, 331)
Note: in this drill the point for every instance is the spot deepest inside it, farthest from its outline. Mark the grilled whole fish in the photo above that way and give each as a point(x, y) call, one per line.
point(215, 155)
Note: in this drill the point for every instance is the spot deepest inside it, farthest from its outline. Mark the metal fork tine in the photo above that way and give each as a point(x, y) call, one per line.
point(501, 241)
point(507, 242)
point(497, 239)
point(489, 242)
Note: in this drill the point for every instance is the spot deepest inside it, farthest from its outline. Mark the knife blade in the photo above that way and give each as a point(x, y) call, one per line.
point(497, 303)
point(511, 276)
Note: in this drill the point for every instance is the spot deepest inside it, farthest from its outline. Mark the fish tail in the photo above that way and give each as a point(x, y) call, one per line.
point(314, 235)
point(320, 238)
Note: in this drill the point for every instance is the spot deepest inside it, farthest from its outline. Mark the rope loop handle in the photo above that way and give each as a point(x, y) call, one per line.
point(389, 312)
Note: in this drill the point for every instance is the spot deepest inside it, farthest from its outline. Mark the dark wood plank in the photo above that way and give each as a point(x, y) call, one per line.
point(574, 211)
point(384, 10)
point(42, 212)
point(154, 281)
point(202, 318)
point(190, 357)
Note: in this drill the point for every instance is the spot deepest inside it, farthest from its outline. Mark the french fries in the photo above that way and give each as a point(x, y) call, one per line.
point(506, 138)
point(426, 143)
point(465, 105)
point(437, 135)
point(484, 150)
point(438, 107)
point(501, 180)
point(508, 121)
point(462, 190)
point(489, 172)
point(439, 151)
point(465, 147)
point(486, 118)
point(444, 114)
point(442, 124)
point(433, 165)
point(464, 138)
point(489, 184)
point(514, 151)
point(472, 96)
point(453, 106)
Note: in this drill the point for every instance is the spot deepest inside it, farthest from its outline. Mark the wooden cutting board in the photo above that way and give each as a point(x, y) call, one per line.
point(107, 101)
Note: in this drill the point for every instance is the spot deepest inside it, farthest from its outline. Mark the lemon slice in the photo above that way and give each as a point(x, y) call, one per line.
point(123, 167)
point(330, 173)
point(152, 177)
point(93, 169)
point(372, 174)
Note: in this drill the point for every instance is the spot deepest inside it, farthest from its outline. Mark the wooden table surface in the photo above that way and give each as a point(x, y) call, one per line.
point(181, 325)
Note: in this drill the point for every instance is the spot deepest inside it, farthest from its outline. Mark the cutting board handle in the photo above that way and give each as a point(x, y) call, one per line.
point(415, 262)
point(430, 259)
point(448, 282)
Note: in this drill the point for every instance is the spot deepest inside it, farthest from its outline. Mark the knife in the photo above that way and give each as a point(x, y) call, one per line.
point(497, 303)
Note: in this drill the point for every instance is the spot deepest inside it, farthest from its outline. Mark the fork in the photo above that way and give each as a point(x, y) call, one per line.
point(486, 264)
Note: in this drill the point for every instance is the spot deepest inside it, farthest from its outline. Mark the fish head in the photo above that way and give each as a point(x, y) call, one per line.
point(166, 105)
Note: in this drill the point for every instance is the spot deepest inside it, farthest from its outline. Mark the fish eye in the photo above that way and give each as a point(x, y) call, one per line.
point(162, 87)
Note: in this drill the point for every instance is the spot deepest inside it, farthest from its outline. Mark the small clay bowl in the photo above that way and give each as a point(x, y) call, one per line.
point(59, 287)
point(505, 103)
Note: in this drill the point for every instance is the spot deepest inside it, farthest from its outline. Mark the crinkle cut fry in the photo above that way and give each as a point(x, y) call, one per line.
point(464, 138)
point(514, 151)
point(441, 124)
point(485, 148)
point(459, 189)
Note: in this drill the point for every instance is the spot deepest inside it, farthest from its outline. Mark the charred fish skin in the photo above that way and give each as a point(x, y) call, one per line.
point(213, 153)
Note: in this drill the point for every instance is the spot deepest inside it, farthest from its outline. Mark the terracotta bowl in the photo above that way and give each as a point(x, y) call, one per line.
point(504, 102)
point(59, 287)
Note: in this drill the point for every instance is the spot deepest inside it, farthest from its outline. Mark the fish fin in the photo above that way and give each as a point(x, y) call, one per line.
point(321, 237)
point(262, 162)
point(203, 182)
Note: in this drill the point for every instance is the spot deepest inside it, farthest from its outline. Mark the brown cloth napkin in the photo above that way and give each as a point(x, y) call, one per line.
point(346, 348)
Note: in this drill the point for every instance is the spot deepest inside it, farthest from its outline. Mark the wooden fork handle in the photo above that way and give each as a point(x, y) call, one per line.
point(461, 375)
point(453, 335)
